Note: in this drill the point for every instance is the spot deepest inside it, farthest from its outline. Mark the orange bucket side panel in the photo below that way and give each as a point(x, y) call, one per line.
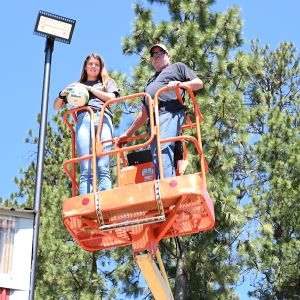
point(186, 204)
point(137, 174)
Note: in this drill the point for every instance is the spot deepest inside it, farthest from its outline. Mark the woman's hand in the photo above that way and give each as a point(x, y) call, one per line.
point(59, 101)
point(89, 88)
point(65, 91)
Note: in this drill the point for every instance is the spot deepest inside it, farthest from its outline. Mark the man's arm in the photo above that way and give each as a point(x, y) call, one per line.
point(137, 123)
point(194, 84)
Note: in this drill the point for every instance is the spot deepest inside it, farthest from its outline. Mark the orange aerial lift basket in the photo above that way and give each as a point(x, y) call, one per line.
point(140, 210)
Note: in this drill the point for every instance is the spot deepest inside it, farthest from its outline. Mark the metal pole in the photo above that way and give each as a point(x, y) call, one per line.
point(40, 162)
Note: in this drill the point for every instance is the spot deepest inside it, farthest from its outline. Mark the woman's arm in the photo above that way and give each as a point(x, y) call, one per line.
point(104, 96)
point(58, 103)
point(59, 100)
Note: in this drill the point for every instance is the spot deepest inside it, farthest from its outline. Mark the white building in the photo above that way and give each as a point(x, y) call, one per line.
point(16, 232)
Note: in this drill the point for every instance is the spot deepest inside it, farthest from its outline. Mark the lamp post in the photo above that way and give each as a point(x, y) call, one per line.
point(53, 27)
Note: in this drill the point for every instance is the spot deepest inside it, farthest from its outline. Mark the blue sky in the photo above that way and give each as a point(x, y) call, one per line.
point(100, 27)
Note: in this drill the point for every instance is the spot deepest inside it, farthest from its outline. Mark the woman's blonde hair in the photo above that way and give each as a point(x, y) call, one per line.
point(103, 75)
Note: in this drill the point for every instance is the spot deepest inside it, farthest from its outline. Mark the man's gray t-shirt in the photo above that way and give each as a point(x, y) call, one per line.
point(175, 72)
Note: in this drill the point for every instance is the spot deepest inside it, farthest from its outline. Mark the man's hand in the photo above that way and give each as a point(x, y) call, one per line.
point(173, 83)
point(181, 166)
point(122, 139)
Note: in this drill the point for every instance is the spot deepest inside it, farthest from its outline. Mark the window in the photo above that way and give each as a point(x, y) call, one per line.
point(7, 235)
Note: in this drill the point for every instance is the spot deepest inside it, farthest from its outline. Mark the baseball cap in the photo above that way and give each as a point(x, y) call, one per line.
point(162, 46)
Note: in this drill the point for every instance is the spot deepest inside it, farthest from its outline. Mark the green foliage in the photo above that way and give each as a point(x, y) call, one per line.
point(204, 41)
point(250, 131)
point(275, 173)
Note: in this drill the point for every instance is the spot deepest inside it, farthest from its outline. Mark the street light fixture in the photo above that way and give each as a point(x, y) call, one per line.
point(53, 28)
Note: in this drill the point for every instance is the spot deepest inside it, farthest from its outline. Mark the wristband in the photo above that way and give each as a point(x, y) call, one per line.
point(64, 98)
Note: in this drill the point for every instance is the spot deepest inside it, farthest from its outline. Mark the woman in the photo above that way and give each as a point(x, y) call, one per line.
point(101, 88)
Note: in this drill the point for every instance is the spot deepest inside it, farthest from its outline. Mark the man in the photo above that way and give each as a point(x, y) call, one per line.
point(171, 111)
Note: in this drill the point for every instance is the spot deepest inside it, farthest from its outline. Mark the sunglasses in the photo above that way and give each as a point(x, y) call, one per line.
point(157, 53)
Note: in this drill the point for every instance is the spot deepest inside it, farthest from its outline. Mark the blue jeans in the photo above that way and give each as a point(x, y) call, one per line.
point(170, 124)
point(84, 146)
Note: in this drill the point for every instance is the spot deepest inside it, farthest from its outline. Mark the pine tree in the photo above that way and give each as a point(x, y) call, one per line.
point(204, 265)
point(272, 251)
